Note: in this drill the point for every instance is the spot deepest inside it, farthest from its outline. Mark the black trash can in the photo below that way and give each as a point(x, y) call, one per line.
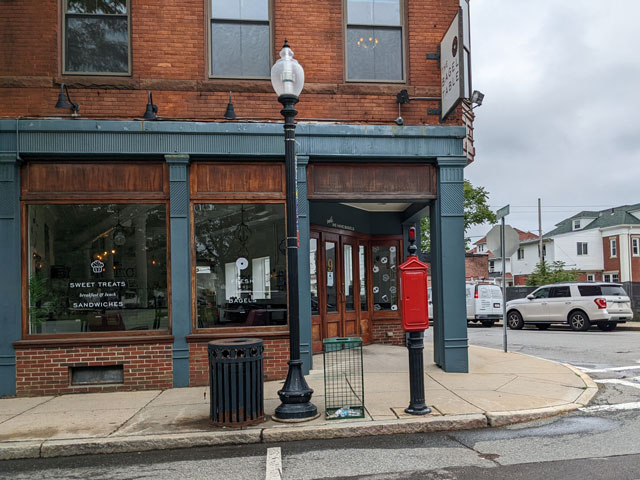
point(236, 381)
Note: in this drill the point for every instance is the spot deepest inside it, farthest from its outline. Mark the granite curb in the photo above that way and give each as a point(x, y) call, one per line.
point(141, 443)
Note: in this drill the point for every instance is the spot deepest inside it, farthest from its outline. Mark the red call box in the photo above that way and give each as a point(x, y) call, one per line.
point(413, 295)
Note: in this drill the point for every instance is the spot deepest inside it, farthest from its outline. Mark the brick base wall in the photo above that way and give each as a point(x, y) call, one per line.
point(381, 329)
point(47, 371)
point(276, 356)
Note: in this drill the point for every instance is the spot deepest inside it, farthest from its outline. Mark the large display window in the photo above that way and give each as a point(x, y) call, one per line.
point(96, 268)
point(240, 265)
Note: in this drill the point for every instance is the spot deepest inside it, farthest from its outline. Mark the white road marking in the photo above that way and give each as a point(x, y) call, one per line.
point(613, 369)
point(617, 381)
point(274, 464)
point(610, 408)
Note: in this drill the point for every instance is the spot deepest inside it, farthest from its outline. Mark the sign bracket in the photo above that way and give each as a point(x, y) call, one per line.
point(435, 56)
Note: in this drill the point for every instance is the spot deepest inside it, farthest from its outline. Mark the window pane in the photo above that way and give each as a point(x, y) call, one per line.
point(97, 44)
point(240, 50)
point(348, 278)
point(97, 268)
point(360, 12)
point(374, 53)
point(331, 278)
point(385, 285)
point(240, 265)
point(363, 278)
point(313, 271)
point(109, 7)
point(386, 12)
point(240, 9)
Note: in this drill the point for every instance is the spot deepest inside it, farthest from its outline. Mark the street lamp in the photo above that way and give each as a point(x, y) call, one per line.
point(287, 78)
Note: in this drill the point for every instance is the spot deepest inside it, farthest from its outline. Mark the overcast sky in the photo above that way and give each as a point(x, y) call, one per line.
point(561, 116)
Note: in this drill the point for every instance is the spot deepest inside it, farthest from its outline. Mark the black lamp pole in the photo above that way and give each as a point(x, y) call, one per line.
point(295, 394)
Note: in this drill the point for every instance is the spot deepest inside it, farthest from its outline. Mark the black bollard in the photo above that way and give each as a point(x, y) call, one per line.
point(415, 344)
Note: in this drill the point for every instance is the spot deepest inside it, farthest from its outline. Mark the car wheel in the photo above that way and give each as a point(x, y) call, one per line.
point(579, 321)
point(514, 320)
point(487, 323)
point(542, 326)
point(608, 326)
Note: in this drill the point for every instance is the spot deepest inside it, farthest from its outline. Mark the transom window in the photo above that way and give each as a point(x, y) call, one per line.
point(96, 37)
point(240, 38)
point(582, 248)
point(375, 40)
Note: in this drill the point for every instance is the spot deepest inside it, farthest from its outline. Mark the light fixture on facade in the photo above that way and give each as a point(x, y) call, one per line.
point(62, 101)
point(287, 78)
point(152, 109)
point(476, 98)
point(230, 114)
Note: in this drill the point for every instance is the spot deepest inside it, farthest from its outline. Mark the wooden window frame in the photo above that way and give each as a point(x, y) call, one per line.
point(403, 36)
point(209, 61)
point(128, 73)
point(92, 198)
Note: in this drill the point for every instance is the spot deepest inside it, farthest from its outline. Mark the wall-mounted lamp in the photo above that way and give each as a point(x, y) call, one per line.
point(476, 98)
point(230, 114)
point(62, 101)
point(152, 109)
point(403, 97)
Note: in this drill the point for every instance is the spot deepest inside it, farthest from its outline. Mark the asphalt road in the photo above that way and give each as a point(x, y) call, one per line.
point(601, 442)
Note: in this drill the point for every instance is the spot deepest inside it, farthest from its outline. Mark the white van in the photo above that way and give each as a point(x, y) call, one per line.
point(484, 303)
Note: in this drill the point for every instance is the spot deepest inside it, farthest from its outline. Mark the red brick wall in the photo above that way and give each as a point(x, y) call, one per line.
point(46, 371)
point(611, 264)
point(476, 266)
point(276, 356)
point(381, 329)
point(635, 265)
point(169, 57)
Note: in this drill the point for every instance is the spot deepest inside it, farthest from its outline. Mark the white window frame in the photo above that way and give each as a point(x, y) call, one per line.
point(613, 247)
point(583, 248)
point(209, 21)
point(591, 277)
point(521, 254)
point(635, 246)
point(611, 277)
point(402, 27)
point(576, 224)
point(65, 4)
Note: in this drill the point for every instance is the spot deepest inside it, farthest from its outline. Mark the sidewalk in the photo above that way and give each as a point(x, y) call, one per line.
point(501, 388)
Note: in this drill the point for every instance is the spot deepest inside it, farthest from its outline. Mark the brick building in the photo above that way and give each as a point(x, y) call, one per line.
point(131, 241)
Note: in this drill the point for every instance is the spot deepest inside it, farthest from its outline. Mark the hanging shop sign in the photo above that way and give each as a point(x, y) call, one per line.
point(455, 63)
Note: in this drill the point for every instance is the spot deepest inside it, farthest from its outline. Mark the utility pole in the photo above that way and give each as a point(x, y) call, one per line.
point(541, 253)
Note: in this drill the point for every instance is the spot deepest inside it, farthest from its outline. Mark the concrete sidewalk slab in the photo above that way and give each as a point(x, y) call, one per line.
point(500, 388)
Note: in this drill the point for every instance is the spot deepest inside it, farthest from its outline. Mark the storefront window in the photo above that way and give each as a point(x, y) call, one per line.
point(313, 271)
point(240, 265)
point(95, 268)
point(385, 279)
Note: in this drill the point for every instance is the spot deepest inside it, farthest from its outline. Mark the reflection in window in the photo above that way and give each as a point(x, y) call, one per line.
point(385, 279)
point(313, 270)
point(97, 268)
point(349, 298)
point(97, 36)
point(362, 261)
point(374, 40)
point(240, 265)
point(240, 38)
point(332, 288)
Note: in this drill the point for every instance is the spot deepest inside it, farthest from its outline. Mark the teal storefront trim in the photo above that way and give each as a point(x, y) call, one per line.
point(179, 143)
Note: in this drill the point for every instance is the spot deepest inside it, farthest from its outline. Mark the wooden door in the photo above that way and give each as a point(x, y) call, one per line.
point(333, 308)
point(316, 277)
point(349, 286)
point(364, 287)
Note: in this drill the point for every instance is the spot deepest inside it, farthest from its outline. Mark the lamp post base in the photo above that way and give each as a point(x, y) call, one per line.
point(296, 395)
point(415, 344)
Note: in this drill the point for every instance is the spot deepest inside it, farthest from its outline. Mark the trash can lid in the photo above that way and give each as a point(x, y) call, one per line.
point(235, 342)
point(341, 340)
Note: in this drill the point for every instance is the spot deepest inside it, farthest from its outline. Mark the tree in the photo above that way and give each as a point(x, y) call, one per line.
point(555, 272)
point(476, 212)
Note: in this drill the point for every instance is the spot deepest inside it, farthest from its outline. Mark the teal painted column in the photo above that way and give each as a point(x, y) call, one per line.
point(180, 265)
point(448, 274)
point(304, 273)
point(10, 293)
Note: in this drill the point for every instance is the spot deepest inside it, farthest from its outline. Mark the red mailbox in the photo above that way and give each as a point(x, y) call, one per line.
point(413, 295)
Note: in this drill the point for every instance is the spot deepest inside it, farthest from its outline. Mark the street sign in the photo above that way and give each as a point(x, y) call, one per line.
point(511, 240)
point(503, 212)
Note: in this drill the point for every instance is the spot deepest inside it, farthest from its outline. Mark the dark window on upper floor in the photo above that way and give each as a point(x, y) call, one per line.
point(96, 37)
point(374, 37)
point(240, 38)
point(582, 248)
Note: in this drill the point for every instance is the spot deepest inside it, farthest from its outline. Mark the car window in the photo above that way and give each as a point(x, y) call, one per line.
point(589, 290)
point(558, 292)
point(542, 293)
point(483, 291)
point(613, 290)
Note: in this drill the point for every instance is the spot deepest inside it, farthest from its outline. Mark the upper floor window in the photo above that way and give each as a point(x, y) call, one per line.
point(576, 224)
point(521, 254)
point(635, 246)
point(96, 37)
point(582, 248)
point(240, 38)
point(375, 40)
point(613, 246)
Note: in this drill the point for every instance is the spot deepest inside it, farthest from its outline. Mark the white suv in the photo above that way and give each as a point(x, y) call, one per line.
point(578, 304)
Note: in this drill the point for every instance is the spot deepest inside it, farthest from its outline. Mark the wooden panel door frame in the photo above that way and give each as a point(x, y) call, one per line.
point(365, 316)
point(331, 321)
point(350, 318)
point(317, 328)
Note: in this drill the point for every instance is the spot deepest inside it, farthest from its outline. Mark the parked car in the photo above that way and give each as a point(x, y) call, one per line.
point(483, 301)
point(579, 305)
